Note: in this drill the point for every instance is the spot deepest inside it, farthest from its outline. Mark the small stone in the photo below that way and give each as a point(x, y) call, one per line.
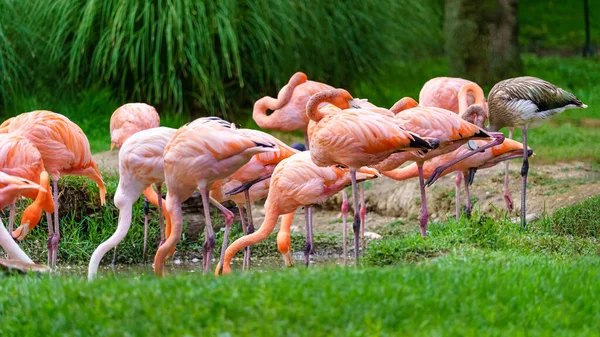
point(178, 261)
point(372, 236)
point(195, 260)
point(294, 229)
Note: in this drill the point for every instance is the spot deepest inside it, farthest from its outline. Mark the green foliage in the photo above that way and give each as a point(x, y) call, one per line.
point(218, 56)
point(579, 220)
point(85, 224)
point(497, 294)
point(556, 24)
point(570, 233)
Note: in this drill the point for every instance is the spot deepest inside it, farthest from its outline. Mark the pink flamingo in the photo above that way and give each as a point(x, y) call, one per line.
point(297, 181)
point(124, 122)
point(355, 138)
point(289, 108)
point(444, 125)
point(65, 150)
point(20, 158)
point(445, 93)
point(140, 166)
point(10, 188)
point(253, 179)
point(509, 149)
point(200, 153)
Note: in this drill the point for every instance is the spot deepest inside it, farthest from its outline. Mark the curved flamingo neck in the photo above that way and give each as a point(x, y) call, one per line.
point(403, 173)
point(463, 93)
point(284, 242)
point(259, 113)
point(404, 104)
point(338, 97)
point(262, 233)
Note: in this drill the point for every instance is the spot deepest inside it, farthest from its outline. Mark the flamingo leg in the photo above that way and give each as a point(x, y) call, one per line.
point(457, 194)
point(345, 225)
point(161, 216)
point(174, 208)
point(524, 170)
point(507, 195)
point(146, 216)
point(114, 259)
point(250, 226)
point(468, 198)
point(209, 241)
point(11, 219)
point(498, 138)
point(308, 247)
point(363, 213)
point(245, 229)
point(50, 236)
point(356, 220)
point(424, 216)
point(56, 235)
point(228, 221)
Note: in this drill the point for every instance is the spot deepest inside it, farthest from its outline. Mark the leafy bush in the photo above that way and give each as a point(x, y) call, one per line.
point(214, 56)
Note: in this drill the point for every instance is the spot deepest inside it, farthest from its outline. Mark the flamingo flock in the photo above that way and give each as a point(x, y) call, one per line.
point(347, 141)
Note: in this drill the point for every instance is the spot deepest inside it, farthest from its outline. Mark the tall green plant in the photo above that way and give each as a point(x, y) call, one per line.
point(15, 42)
point(217, 55)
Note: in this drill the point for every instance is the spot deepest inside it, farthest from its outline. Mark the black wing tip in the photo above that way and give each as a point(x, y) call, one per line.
point(246, 186)
point(298, 146)
point(267, 145)
point(482, 134)
point(429, 143)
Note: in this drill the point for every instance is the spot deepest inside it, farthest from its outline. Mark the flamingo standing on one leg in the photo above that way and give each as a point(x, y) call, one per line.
point(522, 102)
point(253, 178)
point(140, 166)
point(444, 125)
point(296, 182)
point(124, 122)
point(200, 153)
point(289, 108)
point(10, 188)
point(509, 149)
point(355, 138)
point(20, 158)
point(526, 102)
point(65, 150)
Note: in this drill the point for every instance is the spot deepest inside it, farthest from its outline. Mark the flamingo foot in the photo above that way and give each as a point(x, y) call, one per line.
point(509, 201)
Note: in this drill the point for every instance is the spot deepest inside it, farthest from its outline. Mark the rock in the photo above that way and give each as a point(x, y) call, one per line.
point(195, 260)
point(178, 261)
point(372, 236)
point(294, 229)
point(22, 267)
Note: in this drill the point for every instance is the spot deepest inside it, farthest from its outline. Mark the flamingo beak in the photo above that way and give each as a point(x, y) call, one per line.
point(20, 233)
point(112, 146)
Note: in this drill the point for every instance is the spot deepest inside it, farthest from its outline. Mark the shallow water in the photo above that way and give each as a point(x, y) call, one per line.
point(195, 266)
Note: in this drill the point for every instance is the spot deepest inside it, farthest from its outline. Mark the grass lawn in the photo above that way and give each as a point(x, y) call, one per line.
point(482, 277)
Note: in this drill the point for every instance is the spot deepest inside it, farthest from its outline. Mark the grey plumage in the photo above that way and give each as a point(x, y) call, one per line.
point(527, 102)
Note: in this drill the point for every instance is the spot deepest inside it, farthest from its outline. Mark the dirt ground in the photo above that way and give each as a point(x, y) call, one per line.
point(549, 187)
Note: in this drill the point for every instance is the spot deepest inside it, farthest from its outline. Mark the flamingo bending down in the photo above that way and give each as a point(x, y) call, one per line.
point(509, 149)
point(65, 150)
point(200, 153)
point(355, 138)
point(124, 122)
point(526, 102)
point(445, 93)
point(140, 166)
point(296, 182)
point(20, 158)
point(289, 108)
point(10, 188)
point(447, 127)
point(253, 178)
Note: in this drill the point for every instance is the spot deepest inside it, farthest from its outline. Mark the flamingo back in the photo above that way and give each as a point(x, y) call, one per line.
point(20, 158)
point(131, 118)
point(442, 92)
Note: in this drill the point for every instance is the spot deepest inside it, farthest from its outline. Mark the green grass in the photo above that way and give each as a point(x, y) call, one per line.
point(85, 224)
point(556, 24)
point(495, 294)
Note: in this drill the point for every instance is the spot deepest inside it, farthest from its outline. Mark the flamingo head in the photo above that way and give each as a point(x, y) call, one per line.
point(475, 114)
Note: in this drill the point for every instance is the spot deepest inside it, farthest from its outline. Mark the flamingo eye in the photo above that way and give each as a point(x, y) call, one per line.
point(471, 145)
